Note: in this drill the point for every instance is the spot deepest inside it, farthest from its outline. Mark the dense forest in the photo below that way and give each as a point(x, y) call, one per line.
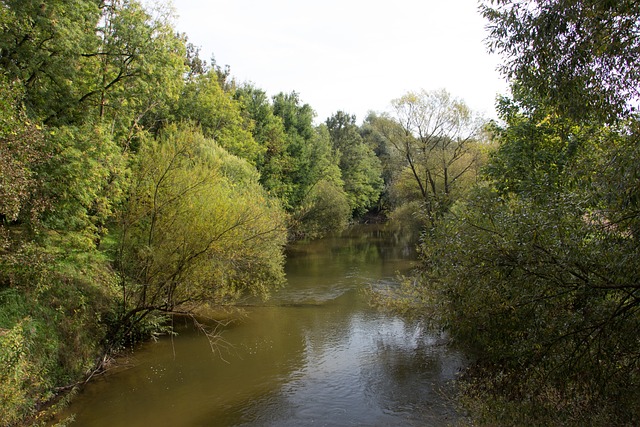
point(138, 181)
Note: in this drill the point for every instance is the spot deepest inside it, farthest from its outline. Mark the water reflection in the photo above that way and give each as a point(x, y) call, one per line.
point(316, 353)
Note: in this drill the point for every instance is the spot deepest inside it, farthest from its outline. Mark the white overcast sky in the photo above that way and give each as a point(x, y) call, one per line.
point(349, 55)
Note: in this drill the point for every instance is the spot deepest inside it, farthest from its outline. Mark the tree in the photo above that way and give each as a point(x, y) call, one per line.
point(583, 57)
point(92, 61)
point(536, 270)
point(205, 103)
point(436, 144)
point(197, 228)
point(361, 169)
point(268, 131)
point(324, 207)
point(297, 120)
point(41, 46)
point(135, 73)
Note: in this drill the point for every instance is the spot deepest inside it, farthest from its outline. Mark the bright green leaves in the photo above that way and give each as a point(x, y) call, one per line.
point(219, 116)
point(198, 226)
point(41, 46)
point(83, 181)
point(134, 75)
point(361, 170)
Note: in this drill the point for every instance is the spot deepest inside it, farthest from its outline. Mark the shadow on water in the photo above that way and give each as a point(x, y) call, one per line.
point(316, 353)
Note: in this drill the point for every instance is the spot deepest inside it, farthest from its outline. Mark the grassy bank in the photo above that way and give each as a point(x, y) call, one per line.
point(55, 310)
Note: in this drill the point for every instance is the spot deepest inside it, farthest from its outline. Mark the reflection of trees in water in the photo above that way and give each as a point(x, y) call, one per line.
point(413, 374)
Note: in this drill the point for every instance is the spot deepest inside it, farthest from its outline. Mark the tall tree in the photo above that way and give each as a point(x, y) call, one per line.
point(268, 131)
point(197, 228)
point(205, 103)
point(41, 45)
point(538, 269)
point(436, 144)
point(301, 173)
point(361, 169)
point(581, 56)
point(136, 70)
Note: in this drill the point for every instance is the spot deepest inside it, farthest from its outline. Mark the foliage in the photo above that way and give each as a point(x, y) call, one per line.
point(50, 324)
point(535, 270)
point(583, 57)
point(21, 151)
point(83, 180)
point(268, 131)
point(197, 227)
point(204, 102)
point(544, 295)
point(81, 83)
point(135, 71)
point(325, 210)
point(41, 46)
point(300, 173)
point(433, 137)
point(361, 169)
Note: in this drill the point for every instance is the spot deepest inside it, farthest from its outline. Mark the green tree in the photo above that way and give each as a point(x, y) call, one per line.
point(197, 228)
point(41, 46)
point(206, 104)
point(537, 269)
point(83, 181)
point(268, 131)
point(315, 190)
point(582, 57)
point(436, 140)
point(135, 73)
point(539, 282)
point(361, 169)
point(325, 206)
point(299, 174)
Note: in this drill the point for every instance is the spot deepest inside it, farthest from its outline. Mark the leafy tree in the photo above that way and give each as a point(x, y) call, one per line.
point(268, 131)
point(197, 228)
point(583, 57)
point(361, 169)
point(376, 131)
point(83, 179)
point(540, 281)
point(435, 137)
point(206, 104)
point(136, 71)
point(325, 206)
point(299, 174)
point(41, 46)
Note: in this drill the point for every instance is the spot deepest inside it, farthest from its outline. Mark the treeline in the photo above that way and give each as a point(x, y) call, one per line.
point(138, 181)
point(536, 269)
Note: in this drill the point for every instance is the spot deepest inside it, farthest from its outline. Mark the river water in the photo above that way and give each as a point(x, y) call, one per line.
point(316, 353)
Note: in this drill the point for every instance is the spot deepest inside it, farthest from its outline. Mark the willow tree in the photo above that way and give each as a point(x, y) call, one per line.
point(198, 227)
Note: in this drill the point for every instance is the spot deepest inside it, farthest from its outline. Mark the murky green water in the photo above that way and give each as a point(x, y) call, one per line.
point(315, 354)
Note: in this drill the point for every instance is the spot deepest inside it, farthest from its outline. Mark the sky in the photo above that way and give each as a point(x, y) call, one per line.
point(349, 55)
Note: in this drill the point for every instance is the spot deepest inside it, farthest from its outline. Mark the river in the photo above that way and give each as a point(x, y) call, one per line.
point(316, 353)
